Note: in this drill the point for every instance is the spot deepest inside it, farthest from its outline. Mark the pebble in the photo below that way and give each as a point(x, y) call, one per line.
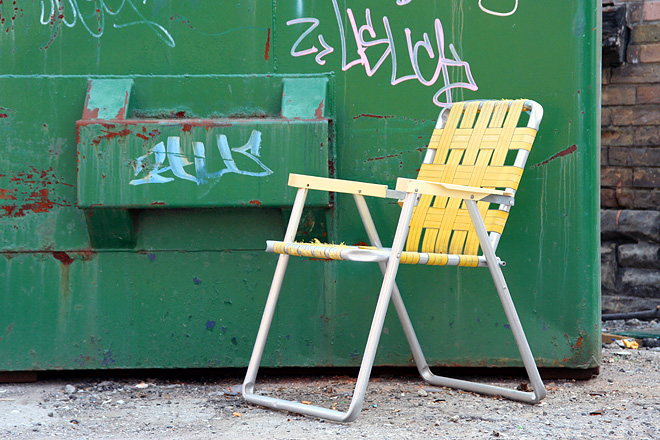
point(422, 392)
point(69, 389)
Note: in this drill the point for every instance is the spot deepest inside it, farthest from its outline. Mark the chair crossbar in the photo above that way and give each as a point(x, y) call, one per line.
point(372, 254)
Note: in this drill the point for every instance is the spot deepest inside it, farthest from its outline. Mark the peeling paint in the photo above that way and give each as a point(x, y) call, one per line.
point(267, 52)
point(318, 113)
point(566, 152)
point(110, 135)
point(31, 192)
point(63, 257)
point(365, 115)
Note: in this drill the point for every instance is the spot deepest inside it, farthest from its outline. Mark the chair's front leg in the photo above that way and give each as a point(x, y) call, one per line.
point(273, 295)
point(370, 349)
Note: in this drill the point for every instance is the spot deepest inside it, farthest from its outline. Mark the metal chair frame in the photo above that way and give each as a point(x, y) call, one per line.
point(388, 260)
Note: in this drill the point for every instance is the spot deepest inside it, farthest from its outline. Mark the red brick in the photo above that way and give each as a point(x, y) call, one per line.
point(622, 115)
point(635, 73)
point(617, 136)
point(619, 95)
point(608, 198)
point(645, 33)
point(651, 11)
point(605, 116)
point(607, 73)
point(646, 199)
point(648, 94)
point(633, 157)
point(632, 53)
point(646, 136)
point(636, 115)
point(646, 178)
point(615, 177)
point(649, 53)
point(635, 13)
point(604, 151)
point(625, 197)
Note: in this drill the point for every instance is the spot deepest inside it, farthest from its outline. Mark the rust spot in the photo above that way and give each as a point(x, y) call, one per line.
point(110, 135)
point(381, 157)
point(31, 192)
point(181, 114)
point(158, 203)
point(366, 115)
point(63, 257)
point(566, 152)
point(86, 254)
point(361, 243)
point(255, 202)
point(332, 169)
point(186, 127)
point(267, 52)
point(141, 136)
point(318, 114)
point(3, 115)
point(5, 194)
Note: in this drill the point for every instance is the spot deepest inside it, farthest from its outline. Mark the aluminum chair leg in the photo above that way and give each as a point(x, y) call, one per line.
point(498, 278)
point(372, 341)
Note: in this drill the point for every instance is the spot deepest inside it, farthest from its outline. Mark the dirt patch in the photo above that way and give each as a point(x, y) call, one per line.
point(623, 402)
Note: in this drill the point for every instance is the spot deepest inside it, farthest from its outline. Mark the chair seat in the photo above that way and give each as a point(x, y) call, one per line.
point(371, 254)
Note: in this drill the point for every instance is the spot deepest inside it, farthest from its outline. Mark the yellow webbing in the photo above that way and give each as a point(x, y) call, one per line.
point(471, 150)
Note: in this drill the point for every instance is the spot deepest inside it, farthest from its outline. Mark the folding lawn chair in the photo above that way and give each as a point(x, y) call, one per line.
point(448, 213)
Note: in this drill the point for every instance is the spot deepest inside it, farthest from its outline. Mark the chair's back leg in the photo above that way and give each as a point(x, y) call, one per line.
point(507, 303)
point(397, 300)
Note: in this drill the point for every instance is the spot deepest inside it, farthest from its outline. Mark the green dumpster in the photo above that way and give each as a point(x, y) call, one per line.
point(146, 150)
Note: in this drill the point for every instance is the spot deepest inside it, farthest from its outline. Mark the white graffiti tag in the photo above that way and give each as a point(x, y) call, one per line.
point(177, 160)
point(481, 6)
point(68, 12)
point(365, 37)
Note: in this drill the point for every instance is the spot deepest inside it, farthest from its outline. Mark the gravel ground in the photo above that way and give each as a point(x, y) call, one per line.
point(622, 402)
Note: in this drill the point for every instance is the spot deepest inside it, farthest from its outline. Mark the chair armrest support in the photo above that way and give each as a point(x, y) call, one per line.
point(338, 185)
point(457, 191)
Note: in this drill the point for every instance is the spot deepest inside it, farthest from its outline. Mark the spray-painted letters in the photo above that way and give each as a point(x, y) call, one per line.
point(154, 162)
point(364, 42)
point(481, 6)
point(92, 17)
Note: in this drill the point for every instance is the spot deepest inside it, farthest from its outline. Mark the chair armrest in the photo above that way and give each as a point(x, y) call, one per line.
point(337, 185)
point(451, 190)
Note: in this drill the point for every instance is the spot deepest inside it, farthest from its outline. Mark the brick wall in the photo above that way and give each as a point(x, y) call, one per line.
point(630, 166)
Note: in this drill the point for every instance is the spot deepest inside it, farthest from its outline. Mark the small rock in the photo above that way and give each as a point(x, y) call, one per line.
point(69, 389)
point(50, 414)
point(120, 402)
point(453, 419)
point(422, 392)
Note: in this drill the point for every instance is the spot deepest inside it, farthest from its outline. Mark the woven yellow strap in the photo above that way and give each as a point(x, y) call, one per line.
point(471, 149)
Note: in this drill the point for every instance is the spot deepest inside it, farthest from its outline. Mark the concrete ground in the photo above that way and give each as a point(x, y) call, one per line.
point(622, 402)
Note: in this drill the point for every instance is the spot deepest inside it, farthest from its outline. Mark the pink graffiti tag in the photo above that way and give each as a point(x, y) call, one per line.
point(366, 37)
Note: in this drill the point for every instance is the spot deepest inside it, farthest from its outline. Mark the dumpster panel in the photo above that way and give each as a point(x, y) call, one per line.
point(174, 276)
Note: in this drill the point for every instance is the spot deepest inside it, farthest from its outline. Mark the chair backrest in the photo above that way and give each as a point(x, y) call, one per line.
point(479, 144)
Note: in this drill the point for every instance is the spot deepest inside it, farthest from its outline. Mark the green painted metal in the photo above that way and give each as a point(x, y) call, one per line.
point(184, 285)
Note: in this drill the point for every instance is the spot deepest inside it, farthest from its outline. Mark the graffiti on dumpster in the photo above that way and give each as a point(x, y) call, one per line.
point(481, 6)
point(68, 13)
point(154, 162)
point(499, 14)
point(302, 47)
